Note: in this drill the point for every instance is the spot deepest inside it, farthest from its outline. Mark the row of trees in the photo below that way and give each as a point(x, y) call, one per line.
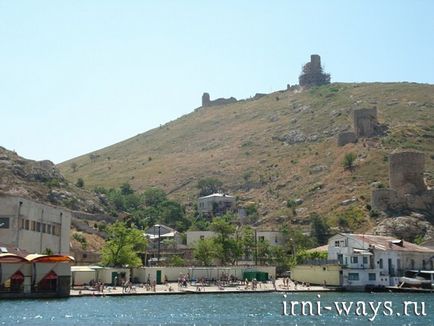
point(230, 245)
point(125, 244)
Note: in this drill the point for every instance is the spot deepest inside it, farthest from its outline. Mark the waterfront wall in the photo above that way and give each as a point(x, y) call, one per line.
point(317, 274)
point(173, 273)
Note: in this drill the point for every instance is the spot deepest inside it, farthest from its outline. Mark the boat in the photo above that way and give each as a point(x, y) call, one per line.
point(417, 279)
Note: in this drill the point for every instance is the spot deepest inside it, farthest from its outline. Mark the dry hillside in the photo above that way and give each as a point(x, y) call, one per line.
point(268, 151)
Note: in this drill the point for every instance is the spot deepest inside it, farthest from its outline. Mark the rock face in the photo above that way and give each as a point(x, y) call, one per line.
point(407, 188)
point(312, 73)
point(42, 181)
point(406, 227)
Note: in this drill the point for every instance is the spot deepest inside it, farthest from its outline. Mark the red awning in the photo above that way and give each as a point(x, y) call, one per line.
point(50, 276)
point(17, 277)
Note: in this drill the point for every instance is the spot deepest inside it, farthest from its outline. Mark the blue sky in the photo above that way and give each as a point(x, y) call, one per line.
point(76, 76)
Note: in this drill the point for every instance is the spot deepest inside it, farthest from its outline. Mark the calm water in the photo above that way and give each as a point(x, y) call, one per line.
point(210, 309)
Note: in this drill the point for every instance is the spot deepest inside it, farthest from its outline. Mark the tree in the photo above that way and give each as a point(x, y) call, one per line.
point(204, 251)
point(348, 161)
point(264, 252)
point(176, 261)
point(227, 249)
point(74, 167)
point(80, 183)
point(248, 242)
point(123, 246)
point(208, 186)
point(171, 212)
point(154, 197)
point(319, 229)
point(126, 189)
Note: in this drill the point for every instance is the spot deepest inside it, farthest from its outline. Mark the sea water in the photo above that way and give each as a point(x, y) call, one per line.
point(225, 309)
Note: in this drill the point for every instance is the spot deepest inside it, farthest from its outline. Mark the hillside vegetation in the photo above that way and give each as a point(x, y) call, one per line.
point(271, 151)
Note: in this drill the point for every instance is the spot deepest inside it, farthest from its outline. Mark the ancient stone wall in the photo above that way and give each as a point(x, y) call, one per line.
point(206, 101)
point(346, 137)
point(407, 187)
point(365, 122)
point(387, 200)
point(406, 172)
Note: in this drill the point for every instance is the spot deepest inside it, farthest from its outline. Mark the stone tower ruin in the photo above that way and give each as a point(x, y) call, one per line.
point(312, 73)
point(406, 172)
point(206, 101)
point(365, 122)
point(407, 187)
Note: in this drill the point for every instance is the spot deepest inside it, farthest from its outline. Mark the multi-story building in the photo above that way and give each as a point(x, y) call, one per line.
point(376, 260)
point(216, 204)
point(274, 238)
point(34, 227)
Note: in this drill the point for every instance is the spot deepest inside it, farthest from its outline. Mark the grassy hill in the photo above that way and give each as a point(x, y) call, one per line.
point(274, 149)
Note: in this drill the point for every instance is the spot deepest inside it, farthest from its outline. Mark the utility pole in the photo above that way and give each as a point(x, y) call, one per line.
point(159, 234)
point(256, 247)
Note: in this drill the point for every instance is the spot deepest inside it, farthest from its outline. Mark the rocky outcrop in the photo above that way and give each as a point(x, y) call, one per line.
point(406, 227)
point(42, 181)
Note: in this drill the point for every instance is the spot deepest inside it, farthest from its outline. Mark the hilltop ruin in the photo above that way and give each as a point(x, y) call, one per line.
point(206, 100)
point(312, 73)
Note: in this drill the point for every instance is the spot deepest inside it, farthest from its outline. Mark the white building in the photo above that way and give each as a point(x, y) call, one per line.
point(216, 204)
point(376, 260)
point(34, 227)
point(274, 238)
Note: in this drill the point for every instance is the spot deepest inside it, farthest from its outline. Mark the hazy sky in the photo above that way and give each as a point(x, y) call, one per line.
point(76, 76)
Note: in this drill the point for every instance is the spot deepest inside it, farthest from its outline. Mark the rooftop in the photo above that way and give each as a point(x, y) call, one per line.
point(217, 195)
point(389, 243)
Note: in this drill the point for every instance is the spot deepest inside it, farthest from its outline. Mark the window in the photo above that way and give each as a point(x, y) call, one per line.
point(381, 263)
point(33, 226)
point(365, 260)
point(354, 259)
point(38, 227)
point(44, 228)
point(372, 276)
point(353, 276)
point(337, 244)
point(49, 228)
point(4, 222)
point(412, 264)
point(261, 238)
point(27, 225)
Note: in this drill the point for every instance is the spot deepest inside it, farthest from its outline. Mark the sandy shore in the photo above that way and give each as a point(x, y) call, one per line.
point(172, 288)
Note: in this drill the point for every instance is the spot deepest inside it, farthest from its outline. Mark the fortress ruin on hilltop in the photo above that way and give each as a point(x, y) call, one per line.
point(312, 73)
point(206, 100)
